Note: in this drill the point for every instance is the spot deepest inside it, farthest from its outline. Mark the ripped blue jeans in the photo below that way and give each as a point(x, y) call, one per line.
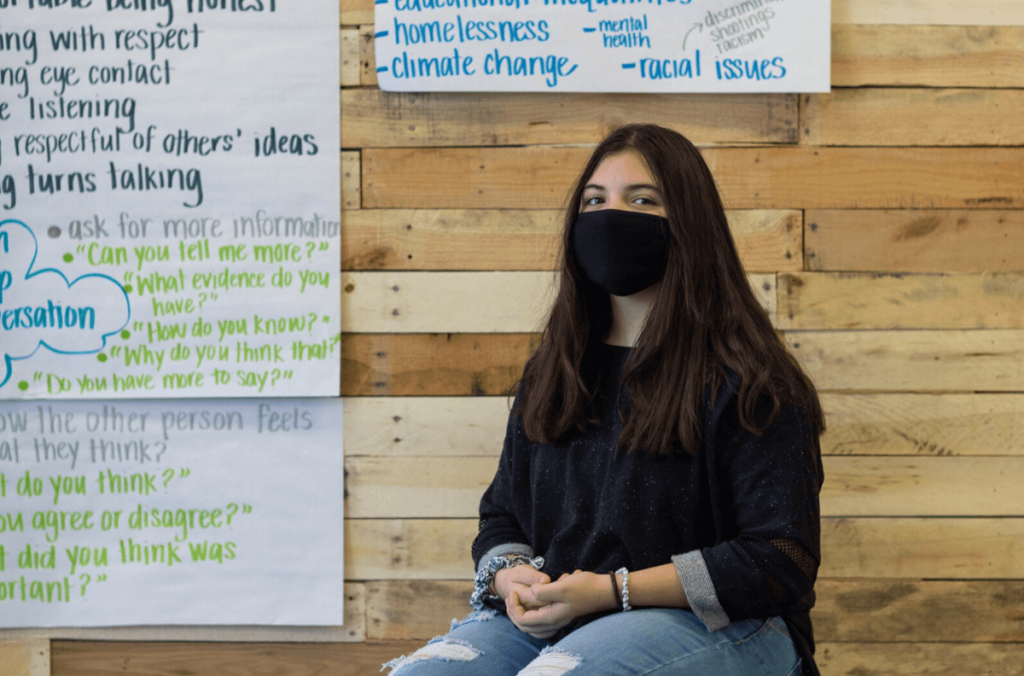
point(649, 641)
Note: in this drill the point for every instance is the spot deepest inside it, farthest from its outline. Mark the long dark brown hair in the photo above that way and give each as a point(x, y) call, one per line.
point(704, 319)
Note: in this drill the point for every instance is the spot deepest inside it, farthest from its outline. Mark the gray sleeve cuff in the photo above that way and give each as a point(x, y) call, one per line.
point(699, 590)
point(505, 550)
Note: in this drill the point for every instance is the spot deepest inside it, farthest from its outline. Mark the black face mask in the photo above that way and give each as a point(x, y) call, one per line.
point(623, 252)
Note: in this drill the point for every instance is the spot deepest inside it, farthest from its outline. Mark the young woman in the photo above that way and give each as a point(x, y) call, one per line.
point(655, 508)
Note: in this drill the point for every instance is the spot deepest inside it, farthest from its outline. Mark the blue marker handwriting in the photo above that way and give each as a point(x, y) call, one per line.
point(42, 308)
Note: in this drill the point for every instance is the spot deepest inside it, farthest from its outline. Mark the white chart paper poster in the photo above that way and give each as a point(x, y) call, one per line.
point(170, 512)
point(169, 199)
point(604, 45)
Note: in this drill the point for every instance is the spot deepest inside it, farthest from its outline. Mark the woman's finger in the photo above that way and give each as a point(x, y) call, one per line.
point(542, 635)
point(525, 575)
point(516, 614)
point(528, 599)
point(514, 606)
point(546, 594)
point(516, 611)
point(551, 592)
point(539, 617)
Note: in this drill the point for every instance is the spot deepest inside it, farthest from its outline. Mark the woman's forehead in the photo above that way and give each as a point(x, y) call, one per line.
point(626, 167)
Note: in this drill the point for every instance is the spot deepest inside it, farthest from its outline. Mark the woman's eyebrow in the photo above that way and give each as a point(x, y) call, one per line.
point(631, 186)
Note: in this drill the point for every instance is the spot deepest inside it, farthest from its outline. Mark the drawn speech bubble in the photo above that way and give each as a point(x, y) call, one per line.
point(41, 308)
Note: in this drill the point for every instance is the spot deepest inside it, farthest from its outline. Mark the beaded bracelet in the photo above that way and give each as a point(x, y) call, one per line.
point(485, 576)
point(625, 588)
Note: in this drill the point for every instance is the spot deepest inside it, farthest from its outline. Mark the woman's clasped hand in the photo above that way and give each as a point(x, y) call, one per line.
point(542, 608)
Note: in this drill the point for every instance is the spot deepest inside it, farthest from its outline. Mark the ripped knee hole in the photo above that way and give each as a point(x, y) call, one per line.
point(551, 662)
point(445, 650)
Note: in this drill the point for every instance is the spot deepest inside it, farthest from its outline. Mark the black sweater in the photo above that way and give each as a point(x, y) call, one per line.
point(747, 504)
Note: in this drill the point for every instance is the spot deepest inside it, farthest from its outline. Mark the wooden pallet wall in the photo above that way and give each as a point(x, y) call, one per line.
point(883, 228)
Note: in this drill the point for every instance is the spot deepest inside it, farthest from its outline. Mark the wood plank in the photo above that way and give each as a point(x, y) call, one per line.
point(892, 117)
point(433, 364)
point(912, 361)
point(352, 631)
point(104, 658)
point(919, 659)
point(355, 12)
point(852, 361)
point(868, 177)
point(350, 181)
point(472, 177)
point(948, 548)
point(768, 240)
point(946, 486)
point(454, 239)
point(349, 65)
point(930, 56)
point(422, 609)
point(404, 487)
point(749, 178)
point(388, 488)
point(425, 426)
point(465, 302)
point(480, 239)
point(861, 300)
point(930, 12)
point(884, 610)
point(462, 302)
point(384, 119)
point(945, 548)
point(27, 657)
point(77, 658)
point(367, 57)
point(409, 549)
point(858, 424)
point(914, 240)
point(922, 424)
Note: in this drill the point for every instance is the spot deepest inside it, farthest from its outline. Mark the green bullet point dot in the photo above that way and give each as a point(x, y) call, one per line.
point(23, 385)
point(126, 334)
point(68, 258)
point(101, 357)
point(127, 288)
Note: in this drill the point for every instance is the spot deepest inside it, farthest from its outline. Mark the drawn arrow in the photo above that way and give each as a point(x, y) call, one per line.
point(700, 29)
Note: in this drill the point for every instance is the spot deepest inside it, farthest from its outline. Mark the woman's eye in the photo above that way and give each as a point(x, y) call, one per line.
point(591, 201)
point(646, 201)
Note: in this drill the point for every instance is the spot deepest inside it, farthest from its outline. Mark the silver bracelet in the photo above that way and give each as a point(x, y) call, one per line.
point(485, 576)
point(625, 588)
